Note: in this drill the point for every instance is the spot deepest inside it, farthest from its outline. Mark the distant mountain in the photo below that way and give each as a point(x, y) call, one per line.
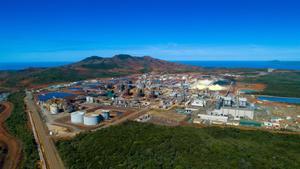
point(92, 67)
point(130, 64)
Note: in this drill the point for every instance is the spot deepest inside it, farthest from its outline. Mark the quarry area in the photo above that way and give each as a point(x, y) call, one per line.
point(166, 99)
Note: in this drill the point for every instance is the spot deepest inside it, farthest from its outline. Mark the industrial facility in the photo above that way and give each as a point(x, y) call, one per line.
point(199, 98)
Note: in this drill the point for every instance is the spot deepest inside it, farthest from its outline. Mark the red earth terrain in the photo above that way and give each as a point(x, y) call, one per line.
point(13, 156)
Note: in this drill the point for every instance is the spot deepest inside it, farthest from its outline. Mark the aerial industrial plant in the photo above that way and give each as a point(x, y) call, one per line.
point(167, 99)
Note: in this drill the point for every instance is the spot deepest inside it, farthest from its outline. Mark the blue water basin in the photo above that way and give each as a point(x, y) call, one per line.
point(75, 88)
point(247, 91)
point(280, 99)
point(51, 95)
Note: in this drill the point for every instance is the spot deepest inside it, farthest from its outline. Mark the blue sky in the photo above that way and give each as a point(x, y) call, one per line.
point(65, 30)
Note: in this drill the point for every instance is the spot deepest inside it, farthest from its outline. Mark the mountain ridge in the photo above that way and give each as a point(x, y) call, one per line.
point(92, 67)
point(134, 64)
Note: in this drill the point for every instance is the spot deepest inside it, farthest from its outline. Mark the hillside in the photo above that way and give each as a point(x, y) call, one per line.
point(91, 67)
point(284, 84)
point(137, 145)
point(126, 63)
point(17, 125)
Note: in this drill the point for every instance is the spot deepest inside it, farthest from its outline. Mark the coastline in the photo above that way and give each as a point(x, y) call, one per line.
point(281, 65)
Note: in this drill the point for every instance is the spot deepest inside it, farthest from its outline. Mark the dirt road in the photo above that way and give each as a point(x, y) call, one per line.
point(51, 156)
point(13, 156)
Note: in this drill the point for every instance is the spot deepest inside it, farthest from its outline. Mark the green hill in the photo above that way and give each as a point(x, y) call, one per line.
point(135, 145)
point(286, 84)
point(91, 67)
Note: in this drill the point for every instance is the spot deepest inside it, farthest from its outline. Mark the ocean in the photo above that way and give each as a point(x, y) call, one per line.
point(288, 65)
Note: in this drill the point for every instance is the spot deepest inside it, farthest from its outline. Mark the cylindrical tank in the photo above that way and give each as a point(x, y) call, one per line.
point(105, 114)
point(77, 117)
point(89, 99)
point(53, 108)
point(91, 119)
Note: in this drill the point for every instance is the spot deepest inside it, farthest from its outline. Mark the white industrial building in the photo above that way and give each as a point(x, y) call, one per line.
point(199, 103)
point(243, 102)
point(236, 113)
point(228, 101)
point(89, 99)
point(222, 119)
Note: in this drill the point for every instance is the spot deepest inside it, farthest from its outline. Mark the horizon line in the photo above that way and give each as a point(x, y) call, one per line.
point(275, 60)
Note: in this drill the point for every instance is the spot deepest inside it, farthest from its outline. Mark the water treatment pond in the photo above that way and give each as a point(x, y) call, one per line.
point(280, 99)
point(51, 95)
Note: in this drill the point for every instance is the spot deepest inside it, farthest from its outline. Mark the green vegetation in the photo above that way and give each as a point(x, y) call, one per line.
point(136, 145)
point(103, 66)
point(69, 75)
point(285, 84)
point(17, 124)
point(43, 76)
point(54, 75)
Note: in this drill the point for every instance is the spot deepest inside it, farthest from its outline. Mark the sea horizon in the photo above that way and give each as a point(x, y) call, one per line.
point(275, 64)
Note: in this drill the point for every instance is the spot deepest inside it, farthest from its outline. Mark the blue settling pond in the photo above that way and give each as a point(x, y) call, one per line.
point(248, 91)
point(51, 95)
point(75, 89)
point(280, 99)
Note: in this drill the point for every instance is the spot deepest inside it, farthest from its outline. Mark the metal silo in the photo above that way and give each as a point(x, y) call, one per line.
point(77, 117)
point(105, 114)
point(91, 119)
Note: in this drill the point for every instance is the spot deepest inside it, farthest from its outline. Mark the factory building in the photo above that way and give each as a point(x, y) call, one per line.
point(54, 108)
point(236, 113)
point(228, 101)
point(89, 99)
point(242, 102)
point(222, 119)
point(199, 103)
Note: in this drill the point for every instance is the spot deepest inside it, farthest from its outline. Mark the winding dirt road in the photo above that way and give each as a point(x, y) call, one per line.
point(13, 156)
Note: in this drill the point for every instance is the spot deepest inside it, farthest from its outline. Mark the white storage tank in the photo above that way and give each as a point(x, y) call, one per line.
point(89, 99)
point(91, 119)
point(53, 108)
point(77, 117)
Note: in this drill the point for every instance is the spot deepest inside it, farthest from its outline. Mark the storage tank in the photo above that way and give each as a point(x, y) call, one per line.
point(77, 117)
point(105, 114)
point(89, 99)
point(91, 119)
point(53, 108)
